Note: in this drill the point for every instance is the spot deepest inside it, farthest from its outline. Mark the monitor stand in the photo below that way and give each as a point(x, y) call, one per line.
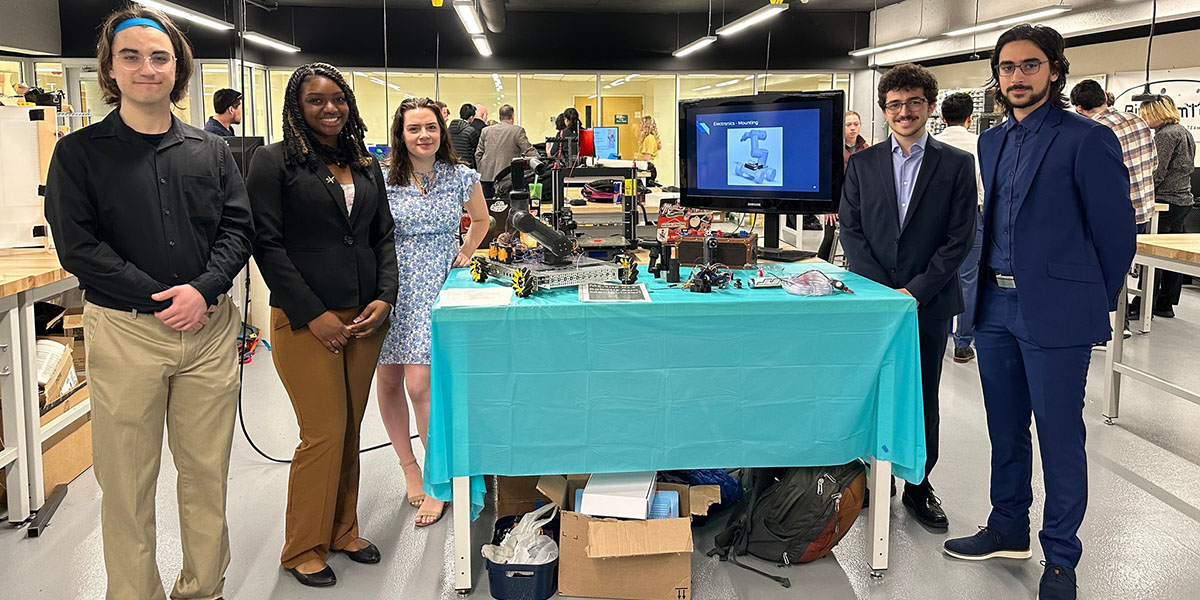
point(771, 249)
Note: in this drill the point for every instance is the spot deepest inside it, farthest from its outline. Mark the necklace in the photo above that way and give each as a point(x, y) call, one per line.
point(423, 181)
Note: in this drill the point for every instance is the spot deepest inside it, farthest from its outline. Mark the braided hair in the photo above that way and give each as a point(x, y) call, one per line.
point(300, 146)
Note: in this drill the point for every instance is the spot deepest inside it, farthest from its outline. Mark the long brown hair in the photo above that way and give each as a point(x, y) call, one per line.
point(399, 164)
point(110, 93)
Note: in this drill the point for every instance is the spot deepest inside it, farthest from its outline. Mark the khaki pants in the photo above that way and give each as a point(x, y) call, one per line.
point(329, 394)
point(141, 374)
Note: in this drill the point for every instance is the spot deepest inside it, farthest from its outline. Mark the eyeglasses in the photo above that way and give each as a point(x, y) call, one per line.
point(913, 105)
point(132, 61)
point(1028, 67)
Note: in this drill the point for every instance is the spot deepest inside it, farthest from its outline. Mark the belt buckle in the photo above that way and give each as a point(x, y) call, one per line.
point(1007, 282)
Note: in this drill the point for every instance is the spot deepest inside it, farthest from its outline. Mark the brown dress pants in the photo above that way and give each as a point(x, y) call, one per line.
point(329, 394)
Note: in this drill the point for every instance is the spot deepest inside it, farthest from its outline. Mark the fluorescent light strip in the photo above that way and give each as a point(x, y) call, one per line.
point(726, 83)
point(886, 47)
point(481, 45)
point(751, 19)
point(630, 76)
point(468, 16)
point(1013, 20)
point(377, 80)
point(702, 88)
point(694, 46)
point(270, 42)
point(198, 18)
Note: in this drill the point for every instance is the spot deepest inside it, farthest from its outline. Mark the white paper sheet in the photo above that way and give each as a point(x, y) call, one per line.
point(476, 296)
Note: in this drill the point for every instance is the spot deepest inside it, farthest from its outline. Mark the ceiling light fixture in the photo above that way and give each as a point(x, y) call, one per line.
point(694, 46)
point(886, 47)
point(481, 45)
point(751, 19)
point(726, 83)
point(468, 16)
point(1046, 11)
point(702, 88)
point(270, 42)
point(196, 17)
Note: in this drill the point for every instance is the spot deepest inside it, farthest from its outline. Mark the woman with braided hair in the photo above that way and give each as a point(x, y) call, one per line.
point(324, 242)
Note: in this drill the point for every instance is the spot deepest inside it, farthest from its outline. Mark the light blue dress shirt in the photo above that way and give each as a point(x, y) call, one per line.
point(905, 170)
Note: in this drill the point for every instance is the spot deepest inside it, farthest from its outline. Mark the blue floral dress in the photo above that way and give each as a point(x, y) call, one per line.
point(426, 244)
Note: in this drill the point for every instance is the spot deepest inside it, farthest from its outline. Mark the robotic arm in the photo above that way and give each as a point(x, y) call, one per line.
point(559, 247)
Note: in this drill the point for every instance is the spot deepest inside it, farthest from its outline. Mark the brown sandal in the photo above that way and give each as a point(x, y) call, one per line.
point(429, 513)
point(413, 501)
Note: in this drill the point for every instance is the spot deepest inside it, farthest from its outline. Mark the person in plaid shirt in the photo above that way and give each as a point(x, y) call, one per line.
point(1137, 145)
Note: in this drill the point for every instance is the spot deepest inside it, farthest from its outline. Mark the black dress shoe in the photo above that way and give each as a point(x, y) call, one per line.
point(925, 507)
point(1166, 313)
point(367, 556)
point(322, 578)
point(867, 494)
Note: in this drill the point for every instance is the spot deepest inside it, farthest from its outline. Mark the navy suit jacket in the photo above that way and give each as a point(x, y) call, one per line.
point(1074, 236)
point(922, 254)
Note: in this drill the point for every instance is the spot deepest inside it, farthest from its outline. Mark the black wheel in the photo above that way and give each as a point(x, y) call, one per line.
point(523, 282)
point(627, 270)
point(479, 269)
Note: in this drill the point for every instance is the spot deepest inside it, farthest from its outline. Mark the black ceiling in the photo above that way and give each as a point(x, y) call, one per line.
point(731, 8)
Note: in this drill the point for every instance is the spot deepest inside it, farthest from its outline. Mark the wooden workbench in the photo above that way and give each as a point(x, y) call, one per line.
point(25, 269)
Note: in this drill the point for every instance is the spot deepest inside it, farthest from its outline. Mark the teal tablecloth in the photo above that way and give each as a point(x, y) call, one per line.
point(735, 378)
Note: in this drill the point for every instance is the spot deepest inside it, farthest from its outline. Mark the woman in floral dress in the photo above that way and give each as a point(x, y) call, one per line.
point(427, 189)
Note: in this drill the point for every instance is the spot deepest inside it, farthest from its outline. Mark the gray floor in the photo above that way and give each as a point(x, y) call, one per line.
point(1141, 537)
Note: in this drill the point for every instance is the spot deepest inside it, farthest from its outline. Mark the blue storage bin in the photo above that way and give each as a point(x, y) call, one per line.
point(522, 582)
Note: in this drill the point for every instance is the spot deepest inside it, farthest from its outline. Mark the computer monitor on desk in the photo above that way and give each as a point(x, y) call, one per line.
point(774, 154)
point(605, 142)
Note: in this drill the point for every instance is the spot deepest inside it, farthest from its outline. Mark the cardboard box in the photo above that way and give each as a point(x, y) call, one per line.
point(619, 495)
point(67, 454)
point(517, 495)
point(627, 560)
point(62, 372)
point(72, 323)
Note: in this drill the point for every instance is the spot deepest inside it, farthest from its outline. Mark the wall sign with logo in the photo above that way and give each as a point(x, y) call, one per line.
point(621, 119)
point(1182, 85)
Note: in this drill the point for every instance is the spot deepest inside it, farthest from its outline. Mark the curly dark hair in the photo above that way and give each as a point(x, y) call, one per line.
point(908, 76)
point(300, 147)
point(1051, 44)
point(399, 164)
point(110, 93)
point(1088, 94)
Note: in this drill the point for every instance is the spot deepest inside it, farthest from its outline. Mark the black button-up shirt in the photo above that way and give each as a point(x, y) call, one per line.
point(1014, 164)
point(130, 219)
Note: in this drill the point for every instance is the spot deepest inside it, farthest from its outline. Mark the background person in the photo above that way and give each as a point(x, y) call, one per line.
point(1172, 185)
point(227, 107)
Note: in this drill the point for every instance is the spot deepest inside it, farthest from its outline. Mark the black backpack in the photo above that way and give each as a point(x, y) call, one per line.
point(793, 515)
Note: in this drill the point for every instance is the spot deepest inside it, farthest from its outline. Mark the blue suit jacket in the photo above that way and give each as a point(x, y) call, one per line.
point(1074, 236)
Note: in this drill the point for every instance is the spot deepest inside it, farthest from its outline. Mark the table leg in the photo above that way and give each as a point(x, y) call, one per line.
point(1147, 307)
point(33, 413)
point(879, 515)
point(1116, 350)
point(12, 384)
point(462, 534)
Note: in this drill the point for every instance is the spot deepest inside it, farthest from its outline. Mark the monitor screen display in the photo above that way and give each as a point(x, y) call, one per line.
point(773, 153)
point(606, 142)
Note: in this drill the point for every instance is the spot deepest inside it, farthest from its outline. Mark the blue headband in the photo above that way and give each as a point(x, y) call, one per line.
point(138, 22)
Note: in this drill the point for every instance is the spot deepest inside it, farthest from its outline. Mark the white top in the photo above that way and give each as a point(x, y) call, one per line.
point(959, 137)
point(348, 191)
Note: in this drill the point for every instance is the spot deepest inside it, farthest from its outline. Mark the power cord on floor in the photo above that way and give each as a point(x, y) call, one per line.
point(241, 376)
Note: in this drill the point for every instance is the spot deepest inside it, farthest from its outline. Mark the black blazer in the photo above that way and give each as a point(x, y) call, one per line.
point(313, 255)
point(922, 254)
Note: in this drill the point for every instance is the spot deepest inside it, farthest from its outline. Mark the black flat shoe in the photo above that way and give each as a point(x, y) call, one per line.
point(367, 556)
point(322, 578)
point(926, 509)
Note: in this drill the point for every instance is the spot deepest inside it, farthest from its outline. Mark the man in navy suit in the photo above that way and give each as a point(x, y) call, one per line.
point(908, 221)
point(1058, 241)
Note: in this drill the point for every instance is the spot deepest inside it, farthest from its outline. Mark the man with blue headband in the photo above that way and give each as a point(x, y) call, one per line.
point(152, 216)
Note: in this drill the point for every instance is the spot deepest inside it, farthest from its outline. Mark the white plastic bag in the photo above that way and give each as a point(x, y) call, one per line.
point(523, 545)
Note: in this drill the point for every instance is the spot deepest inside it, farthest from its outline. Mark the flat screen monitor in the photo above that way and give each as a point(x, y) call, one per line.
point(243, 150)
point(776, 153)
point(606, 142)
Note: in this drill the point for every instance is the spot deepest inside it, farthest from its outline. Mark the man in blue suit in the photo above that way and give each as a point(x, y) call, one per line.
point(1058, 241)
point(908, 220)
